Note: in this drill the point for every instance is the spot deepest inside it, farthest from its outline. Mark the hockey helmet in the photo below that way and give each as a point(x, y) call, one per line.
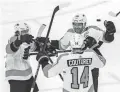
point(79, 18)
point(79, 23)
point(21, 28)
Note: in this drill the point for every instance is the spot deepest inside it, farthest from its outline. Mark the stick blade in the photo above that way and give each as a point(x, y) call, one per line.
point(42, 27)
point(112, 14)
point(64, 5)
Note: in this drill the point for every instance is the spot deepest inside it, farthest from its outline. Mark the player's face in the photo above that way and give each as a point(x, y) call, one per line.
point(78, 27)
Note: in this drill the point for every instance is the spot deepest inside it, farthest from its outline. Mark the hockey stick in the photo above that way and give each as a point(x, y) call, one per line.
point(34, 81)
point(61, 51)
point(42, 27)
point(57, 8)
point(114, 14)
point(45, 44)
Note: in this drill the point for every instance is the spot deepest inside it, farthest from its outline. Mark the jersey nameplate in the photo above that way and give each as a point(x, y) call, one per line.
point(81, 61)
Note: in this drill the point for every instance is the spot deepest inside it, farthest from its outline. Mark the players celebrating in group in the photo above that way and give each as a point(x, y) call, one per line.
point(79, 66)
point(85, 57)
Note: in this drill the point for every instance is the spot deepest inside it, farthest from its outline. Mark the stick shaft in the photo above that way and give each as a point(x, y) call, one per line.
point(55, 10)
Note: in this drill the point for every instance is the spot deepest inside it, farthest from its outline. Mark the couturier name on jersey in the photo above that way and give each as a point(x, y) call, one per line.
point(81, 61)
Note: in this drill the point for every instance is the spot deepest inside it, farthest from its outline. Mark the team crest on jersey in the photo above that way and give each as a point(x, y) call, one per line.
point(81, 61)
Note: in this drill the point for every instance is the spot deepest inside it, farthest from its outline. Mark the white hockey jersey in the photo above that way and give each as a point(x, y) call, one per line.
point(92, 31)
point(18, 68)
point(76, 70)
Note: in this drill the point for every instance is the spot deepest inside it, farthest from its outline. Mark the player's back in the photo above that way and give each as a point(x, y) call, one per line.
point(77, 74)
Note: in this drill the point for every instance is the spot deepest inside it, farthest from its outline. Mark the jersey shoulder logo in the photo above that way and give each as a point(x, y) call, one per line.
point(86, 34)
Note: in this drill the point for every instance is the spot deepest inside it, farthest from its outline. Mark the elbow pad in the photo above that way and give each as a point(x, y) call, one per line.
point(15, 45)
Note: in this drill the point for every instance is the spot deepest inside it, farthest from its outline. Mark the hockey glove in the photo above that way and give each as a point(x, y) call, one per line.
point(27, 38)
point(55, 44)
point(89, 42)
point(51, 51)
point(26, 53)
point(110, 30)
point(110, 27)
point(108, 37)
point(42, 58)
point(39, 41)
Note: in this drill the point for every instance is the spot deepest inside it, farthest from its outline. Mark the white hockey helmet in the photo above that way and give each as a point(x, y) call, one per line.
point(21, 28)
point(79, 23)
point(79, 18)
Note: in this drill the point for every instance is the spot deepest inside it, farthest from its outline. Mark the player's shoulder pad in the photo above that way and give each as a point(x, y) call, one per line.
point(94, 27)
point(70, 30)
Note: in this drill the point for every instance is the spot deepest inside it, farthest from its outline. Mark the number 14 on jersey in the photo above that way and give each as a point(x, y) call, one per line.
point(84, 79)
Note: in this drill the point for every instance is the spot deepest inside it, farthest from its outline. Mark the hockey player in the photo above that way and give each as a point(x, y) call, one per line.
point(76, 66)
point(18, 69)
point(79, 27)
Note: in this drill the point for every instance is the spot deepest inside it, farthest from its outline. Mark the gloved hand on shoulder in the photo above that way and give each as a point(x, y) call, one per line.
point(20, 39)
point(42, 58)
point(27, 38)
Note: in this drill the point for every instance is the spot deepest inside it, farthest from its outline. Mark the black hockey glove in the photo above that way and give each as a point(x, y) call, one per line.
point(39, 41)
point(51, 51)
point(110, 27)
point(42, 58)
point(55, 44)
point(26, 53)
point(89, 42)
point(110, 30)
point(108, 37)
point(27, 38)
point(99, 44)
